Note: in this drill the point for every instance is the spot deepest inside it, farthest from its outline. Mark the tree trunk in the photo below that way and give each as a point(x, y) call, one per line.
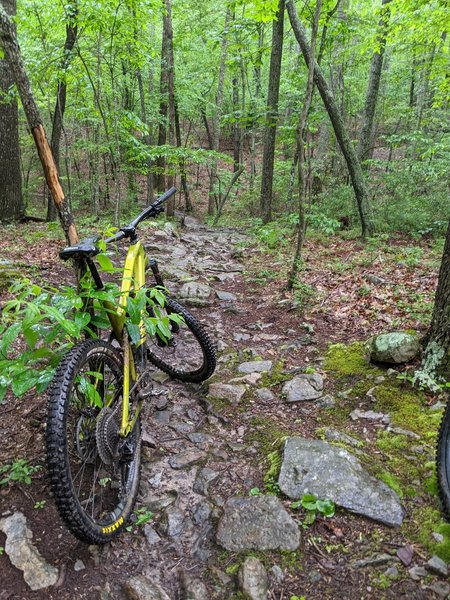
point(365, 146)
point(236, 126)
point(10, 46)
point(301, 139)
point(11, 203)
point(215, 125)
point(437, 352)
point(272, 115)
point(60, 107)
point(351, 158)
point(184, 184)
point(254, 105)
point(160, 179)
point(168, 32)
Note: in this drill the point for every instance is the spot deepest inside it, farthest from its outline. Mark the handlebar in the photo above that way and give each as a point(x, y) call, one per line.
point(151, 211)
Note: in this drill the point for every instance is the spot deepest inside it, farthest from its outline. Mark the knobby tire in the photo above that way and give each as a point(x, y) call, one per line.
point(94, 492)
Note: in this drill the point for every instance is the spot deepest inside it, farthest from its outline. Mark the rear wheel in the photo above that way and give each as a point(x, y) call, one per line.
point(94, 473)
point(443, 460)
point(188, 354)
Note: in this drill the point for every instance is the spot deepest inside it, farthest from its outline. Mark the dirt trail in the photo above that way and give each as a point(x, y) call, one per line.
point(198, 452)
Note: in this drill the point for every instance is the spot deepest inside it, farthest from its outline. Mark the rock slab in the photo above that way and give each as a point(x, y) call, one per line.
point(258, 523)
point(255, 366)
point(304, 387)
point(225, 391)
point(37, 573)
point(316, 467)
point(394, 348)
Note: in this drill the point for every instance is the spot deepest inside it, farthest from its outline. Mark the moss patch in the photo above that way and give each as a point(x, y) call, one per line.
point(264, 431)
point(408, 408)
point(349, 360)
point(271, 477)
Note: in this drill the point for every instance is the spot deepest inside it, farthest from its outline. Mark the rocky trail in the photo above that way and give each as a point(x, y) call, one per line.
point(223, 462)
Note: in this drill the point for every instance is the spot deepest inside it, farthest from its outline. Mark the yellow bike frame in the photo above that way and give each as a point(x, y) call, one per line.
point(133, 279)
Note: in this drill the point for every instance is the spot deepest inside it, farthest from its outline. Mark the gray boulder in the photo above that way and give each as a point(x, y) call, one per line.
point(394, 348)
point(316, 467)
point(303, 387)
point(37, 573)
point(258, 523)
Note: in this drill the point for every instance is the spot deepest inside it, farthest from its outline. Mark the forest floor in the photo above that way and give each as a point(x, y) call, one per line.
point(347, 292)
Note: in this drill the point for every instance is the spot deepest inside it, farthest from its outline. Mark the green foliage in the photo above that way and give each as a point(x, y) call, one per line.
point(41, 323)
point(314, 507)
point(19, 471)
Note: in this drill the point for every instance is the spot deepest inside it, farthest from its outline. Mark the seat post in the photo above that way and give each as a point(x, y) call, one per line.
point(94, 272)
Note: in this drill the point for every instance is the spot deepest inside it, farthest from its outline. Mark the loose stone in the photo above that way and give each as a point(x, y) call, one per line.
point(37, 573)
point(303, 387)
point(256, 366)
point(417, 573)
point(258, 523)
point(224, 391)
point(204, 478)
point(143, 588)
point(225, 296)
point(369, 415)
point(437, 565)
point(186, 459)
point(253, 579)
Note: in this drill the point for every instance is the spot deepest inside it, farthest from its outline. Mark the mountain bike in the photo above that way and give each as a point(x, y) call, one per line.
point(93, 426)
point(443, 460)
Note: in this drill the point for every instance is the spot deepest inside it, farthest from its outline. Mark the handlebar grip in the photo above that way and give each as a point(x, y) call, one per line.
point(153, 208)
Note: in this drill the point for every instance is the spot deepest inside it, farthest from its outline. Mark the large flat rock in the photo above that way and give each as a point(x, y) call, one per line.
point(316, 467)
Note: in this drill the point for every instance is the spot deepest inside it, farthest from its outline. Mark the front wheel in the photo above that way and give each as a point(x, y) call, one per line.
point(188, 354)
point(94, 473)
point(443, 460)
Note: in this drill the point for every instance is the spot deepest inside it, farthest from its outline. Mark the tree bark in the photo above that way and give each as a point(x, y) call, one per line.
point(301, 141)
point(61, 94)
point(438, 337)
point(160, 179)
point(8, 41)
point(351, 158)
point(215, 125)
point(272, 115)
point(11, 203)
point(365, 146)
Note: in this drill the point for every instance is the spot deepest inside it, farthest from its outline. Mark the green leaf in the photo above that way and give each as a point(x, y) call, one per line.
point(105, 263)
point(9, 336)
point(82, 319)
point(22, 382)
point(90, 391)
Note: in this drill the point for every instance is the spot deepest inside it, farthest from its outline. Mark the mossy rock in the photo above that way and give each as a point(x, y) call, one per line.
point(394, 348)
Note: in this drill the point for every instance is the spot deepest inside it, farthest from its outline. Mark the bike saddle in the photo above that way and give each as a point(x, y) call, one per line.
point(84, 249)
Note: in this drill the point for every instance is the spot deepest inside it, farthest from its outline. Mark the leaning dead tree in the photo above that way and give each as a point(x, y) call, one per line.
point(340, 131)
point(8, 42)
